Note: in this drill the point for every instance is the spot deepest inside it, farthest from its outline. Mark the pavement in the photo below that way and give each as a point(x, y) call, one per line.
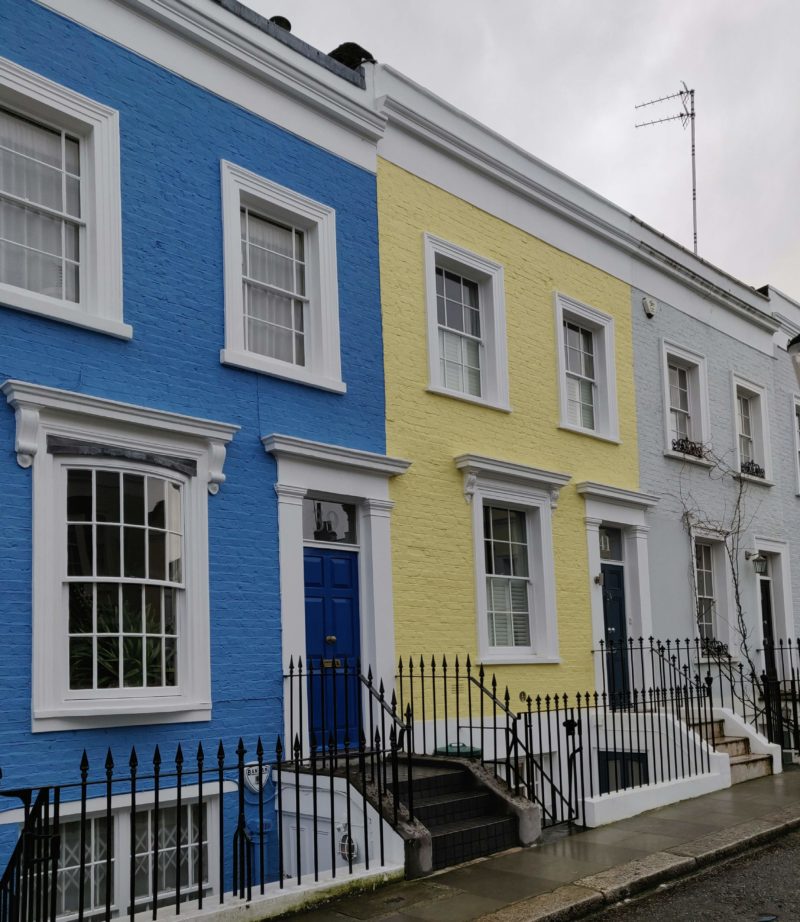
point(569, 876)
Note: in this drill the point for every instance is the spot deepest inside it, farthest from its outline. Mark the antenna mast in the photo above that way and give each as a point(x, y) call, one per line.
point(686, 117)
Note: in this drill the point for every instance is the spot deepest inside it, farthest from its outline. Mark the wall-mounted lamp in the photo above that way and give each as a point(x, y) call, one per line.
point(793, 348)
point(598, 580)
point(759, 561)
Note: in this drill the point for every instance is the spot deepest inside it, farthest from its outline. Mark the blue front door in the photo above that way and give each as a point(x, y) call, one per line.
point(332, 645)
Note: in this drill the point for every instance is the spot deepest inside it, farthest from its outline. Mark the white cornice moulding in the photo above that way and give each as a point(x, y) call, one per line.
point(287, 446)
point(33, 401)
point(243, 47)
point(617, 495)
point(492, 155)
point(475, 467)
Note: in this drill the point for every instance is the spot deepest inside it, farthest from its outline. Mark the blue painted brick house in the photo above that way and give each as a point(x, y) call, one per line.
point(190, 341)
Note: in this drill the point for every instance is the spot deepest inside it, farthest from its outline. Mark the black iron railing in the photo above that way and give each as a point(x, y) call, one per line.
point(760, 684)
point(196, 831)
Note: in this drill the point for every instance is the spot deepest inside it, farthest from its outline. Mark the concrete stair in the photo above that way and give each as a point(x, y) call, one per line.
point(745, 765)
point(465, 820)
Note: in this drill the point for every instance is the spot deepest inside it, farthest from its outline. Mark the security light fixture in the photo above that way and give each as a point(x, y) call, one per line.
point(759, 561)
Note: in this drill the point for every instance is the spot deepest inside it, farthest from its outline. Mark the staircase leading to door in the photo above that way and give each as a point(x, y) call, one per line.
point(465, 819)
point(745, 764)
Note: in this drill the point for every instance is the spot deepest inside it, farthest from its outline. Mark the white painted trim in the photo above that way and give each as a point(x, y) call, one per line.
point(355, 459)
point(761, 435)
point(695, 364)
point(602, 327)
point(210, 47)
point(734, 725)
point(323, 360)
point(350, 475)
point(42, 411)
point(535, 492)
point(489, 276)
point(606, 493)
point(795, 405)
point(100, 306)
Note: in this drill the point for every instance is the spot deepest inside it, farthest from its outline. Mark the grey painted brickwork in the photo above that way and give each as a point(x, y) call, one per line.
point(773, 512)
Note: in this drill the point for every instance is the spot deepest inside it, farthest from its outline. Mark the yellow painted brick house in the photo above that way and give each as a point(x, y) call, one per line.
point(509, 385)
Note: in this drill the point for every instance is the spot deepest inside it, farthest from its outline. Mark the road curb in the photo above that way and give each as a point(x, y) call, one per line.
point(576, 900)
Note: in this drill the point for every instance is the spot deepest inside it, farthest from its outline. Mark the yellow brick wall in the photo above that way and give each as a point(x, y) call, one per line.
point(432, 541)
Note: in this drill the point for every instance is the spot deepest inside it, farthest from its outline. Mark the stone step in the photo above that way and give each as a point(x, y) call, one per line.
point(464, 840)
point(433, 780)
point(732, 745)
point(703, 728)
point(437, 809)
point(749, 767)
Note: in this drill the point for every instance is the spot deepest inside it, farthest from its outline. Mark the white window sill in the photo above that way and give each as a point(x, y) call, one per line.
point(288, 372)
point(96, 714)
point(62, 311)
point(689, 459)
point(761, 481)
point(518, 659)
point(591, 433)
point(468, 398)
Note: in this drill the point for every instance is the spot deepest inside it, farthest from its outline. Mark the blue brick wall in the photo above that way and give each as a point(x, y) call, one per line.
point(173, 135)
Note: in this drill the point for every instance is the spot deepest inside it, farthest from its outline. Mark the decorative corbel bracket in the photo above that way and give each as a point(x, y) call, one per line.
point(216, 461)
point(26, 442)
point(470, 485)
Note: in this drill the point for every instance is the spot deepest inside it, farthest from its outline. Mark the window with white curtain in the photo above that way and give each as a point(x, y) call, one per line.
point(505, 537)
point(40, 207)
point(60, 209)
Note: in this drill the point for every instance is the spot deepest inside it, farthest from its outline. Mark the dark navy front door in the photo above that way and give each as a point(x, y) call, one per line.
point(332, 644)
point(616, 633)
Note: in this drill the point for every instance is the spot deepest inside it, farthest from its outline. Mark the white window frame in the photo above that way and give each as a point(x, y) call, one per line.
point(489, 277)
point(760, 428)
point(318, 221)
point(601, 325)
point(724, 604)
point(796, 441)
point(100, 305)
point(69, 811)
point(490, 481)
point(42, 412)
point(697, 377)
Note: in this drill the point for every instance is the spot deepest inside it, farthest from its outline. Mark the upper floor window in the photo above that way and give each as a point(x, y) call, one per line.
point(466, 325)
point(281, 287)
point(587, 376)
point(752, 430)
point(60, 224)
point(685, 402)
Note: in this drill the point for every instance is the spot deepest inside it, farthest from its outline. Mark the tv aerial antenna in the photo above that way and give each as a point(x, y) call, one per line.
point(686, 117)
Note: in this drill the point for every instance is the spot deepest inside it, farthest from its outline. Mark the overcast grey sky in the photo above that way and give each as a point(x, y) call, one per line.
point(561, 77)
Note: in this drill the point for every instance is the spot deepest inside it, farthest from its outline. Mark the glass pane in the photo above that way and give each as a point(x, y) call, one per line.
point(519, 559)
point(134, 499)
point(73, 204)
point(79, 550)
point(522, 629)
point(154, 669)
point(152, 610)
point(175, 520)
point(30, 138)
point(107, 608)
point(454, 315)
point(81, 663)
point(108, 662)
point(517, 520)
point(80, 608)
point(488, 551)
point(299, 349)
point(156, 551)
point(155, 502)
point(79, 496)
point(519, 595)
point(170, 660)
point(473, 381)
point(470, 294)
point(108, 550)
point(441, 316)
point(132, 652)
point(452, 286)
point(175, 558)
point(22, 225)
point(611, 544)
point(72, 291)
point(134, 552)
point(329, 521)
point(132, 609)
point(30, 180)
point(499, 523)
point(72, 158)
point(270, 236)
point(107, 496)
point(502, 558)
point(170, 626)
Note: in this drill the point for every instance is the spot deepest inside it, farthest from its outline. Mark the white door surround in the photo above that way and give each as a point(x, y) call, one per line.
point(345, 475)
point(626, 510)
